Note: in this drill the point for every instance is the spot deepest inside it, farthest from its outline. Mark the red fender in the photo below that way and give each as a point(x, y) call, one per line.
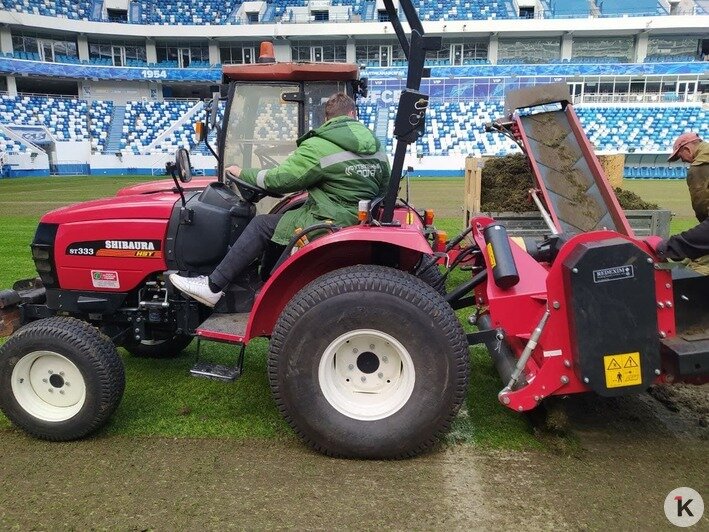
point(347, 247)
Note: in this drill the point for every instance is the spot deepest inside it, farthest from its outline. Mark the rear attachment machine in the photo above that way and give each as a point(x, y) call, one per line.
point(589, 308)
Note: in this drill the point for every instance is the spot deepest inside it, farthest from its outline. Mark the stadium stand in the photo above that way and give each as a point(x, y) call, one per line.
point(146, 121)
point(65, 118)
point(601, 63)
point(10, 146)
point(453, 127)
point(185, 12)
point(183, 135)
point(202, 12)
point(462, 10)
point(73, 9)
point(641, 129)
point(100, 114)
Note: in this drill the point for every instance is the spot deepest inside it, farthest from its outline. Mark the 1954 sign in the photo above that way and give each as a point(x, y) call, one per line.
point(154, 74)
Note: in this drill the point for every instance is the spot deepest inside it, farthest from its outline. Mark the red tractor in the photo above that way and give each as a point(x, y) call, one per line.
point(367, 357)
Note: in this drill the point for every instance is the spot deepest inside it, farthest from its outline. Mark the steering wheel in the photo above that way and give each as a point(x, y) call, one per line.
point(250, 192)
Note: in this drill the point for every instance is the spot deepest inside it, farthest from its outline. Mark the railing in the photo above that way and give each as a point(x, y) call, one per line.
point(45, 95)
point(653, 98)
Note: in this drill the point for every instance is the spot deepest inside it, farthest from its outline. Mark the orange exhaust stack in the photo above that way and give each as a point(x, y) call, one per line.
point(266, 53)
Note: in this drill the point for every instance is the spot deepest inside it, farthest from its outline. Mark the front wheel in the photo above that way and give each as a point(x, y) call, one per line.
point(60, 379)
point(368, 362)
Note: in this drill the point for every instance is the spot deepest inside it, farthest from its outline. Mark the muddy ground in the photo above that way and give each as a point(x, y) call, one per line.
point(613, 472)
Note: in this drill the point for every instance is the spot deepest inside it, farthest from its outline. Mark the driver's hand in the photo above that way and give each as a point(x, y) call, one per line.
point(234, 170)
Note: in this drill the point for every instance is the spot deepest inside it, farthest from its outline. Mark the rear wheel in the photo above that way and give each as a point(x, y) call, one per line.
point(60, 379)
point(167, 348)
point(368, 362)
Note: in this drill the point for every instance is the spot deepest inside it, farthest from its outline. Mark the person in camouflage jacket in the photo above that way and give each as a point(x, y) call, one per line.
point(339, 164)
point(691, 247)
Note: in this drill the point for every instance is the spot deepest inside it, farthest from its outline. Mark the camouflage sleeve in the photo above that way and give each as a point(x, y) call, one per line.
point(698, 183)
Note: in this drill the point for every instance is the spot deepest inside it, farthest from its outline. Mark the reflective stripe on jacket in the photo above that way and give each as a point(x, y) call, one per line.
point(339, 164)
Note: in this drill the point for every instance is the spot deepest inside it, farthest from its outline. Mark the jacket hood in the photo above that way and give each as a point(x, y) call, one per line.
point(347, 133)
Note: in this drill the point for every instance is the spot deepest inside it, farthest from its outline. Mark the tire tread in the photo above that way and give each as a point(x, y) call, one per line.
point(103, 358)
point(378, 279)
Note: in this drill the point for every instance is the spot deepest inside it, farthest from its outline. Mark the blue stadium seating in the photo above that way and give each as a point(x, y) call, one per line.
point(73, 9)
point(462, 10)
point(65, 118)
point(655, 172)
point(183, 136)
point(453, 127)
point(201, 12)
point(100, 114)
point(187, 12)
point(10, 146)
point(145, 121)
point(640, 129)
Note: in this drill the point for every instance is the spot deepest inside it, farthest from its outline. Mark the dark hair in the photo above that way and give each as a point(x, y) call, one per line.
point(339, 104)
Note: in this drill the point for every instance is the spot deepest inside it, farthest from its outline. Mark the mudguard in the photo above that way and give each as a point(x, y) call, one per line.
point(347, 247)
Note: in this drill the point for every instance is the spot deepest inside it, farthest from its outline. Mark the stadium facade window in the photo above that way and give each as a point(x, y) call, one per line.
point(319, 52)
point(238, 54)
point(460, 53)
point(252, 17)
point(320, 16)
point(117, 15)
point(380, 54)
point(181, 55)
point(383, 15)
point(45, 48)
point(604, 49)
point(648, 89)
point(528, 50)
point(669, 46)
point(117, 54)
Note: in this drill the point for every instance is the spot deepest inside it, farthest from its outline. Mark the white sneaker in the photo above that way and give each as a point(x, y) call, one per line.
point(196, 288)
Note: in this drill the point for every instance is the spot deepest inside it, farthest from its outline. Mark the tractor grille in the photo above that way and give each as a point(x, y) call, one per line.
point(43, 254)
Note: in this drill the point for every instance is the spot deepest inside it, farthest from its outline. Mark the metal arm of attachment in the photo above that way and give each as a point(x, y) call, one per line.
point(545, 214)
point(531, 344)
point(411, 114)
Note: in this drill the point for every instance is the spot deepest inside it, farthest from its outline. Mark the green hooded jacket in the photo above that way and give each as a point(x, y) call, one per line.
point(698, 181)
point(339, 164)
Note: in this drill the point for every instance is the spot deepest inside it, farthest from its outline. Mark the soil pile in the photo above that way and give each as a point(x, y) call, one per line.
point(505, 185)
point(631, 201)
point(506, 182)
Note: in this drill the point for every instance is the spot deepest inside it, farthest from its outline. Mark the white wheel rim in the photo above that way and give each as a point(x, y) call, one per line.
point(366, 374)
point(48, 386)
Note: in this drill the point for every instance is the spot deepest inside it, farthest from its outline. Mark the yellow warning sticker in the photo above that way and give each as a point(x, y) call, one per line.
point(622, 370)
point(491, 254)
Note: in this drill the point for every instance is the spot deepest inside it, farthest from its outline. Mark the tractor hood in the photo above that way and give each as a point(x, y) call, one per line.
point(164, 185)
point(147, 206)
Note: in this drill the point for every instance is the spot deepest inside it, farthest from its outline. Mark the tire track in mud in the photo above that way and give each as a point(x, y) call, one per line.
point(181, 484)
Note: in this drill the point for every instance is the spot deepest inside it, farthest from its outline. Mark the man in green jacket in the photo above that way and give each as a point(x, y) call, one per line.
point(339, 164)
point(691, 247)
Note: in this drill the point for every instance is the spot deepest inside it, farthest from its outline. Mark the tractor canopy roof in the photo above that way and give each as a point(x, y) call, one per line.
point(291, 72)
